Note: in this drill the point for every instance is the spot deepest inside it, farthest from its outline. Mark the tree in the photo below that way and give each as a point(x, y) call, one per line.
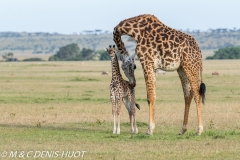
point(103, 55)
point(7, 56)
point(226, 53)
point(67, 52)
point(86, 53)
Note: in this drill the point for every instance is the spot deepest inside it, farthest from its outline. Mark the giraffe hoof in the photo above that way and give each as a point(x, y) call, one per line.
point(149, 132)
point(118, 131)
point(136, 131)
point(200, 130)
point(183, 131)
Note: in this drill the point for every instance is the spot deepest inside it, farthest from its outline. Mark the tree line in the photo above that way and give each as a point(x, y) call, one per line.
point(72, 52)
point(226, 53)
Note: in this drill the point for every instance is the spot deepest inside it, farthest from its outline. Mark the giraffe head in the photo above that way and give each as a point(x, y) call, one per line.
point(128, 66)
point(111, 51)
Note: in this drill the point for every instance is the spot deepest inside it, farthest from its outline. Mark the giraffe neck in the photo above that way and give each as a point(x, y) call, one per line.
point(116, 74)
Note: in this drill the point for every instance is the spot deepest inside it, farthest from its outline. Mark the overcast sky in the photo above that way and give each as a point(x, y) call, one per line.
point(68, 16)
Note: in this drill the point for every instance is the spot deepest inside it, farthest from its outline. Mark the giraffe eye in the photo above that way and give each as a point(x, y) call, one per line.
point(135, 66)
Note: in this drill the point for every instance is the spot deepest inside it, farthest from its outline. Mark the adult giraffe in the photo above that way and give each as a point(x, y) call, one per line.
point(161, 47)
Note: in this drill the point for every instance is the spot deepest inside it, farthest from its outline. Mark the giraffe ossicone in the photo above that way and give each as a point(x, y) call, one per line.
point(162, 47)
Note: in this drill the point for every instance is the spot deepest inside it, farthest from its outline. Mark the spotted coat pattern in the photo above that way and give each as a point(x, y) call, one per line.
point(162, 47)
point(120, 90)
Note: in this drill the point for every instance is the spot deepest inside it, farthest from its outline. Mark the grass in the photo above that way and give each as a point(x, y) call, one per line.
point(65, 106)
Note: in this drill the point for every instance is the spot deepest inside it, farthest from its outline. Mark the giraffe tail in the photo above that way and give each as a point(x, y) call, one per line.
point(138, 106)
point(202, 89)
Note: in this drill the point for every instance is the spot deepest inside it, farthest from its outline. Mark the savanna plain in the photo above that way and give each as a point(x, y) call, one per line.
point(65, 106)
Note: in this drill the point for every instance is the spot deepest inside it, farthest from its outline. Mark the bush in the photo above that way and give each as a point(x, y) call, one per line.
point(33, 59)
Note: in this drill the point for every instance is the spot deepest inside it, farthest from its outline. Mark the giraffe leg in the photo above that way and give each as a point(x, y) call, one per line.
point(150, 80)
point(188, 95)
point(119, 101)
point(197, 99)
point(193, 78)
point(114, 123)
point(133, 110)
point(128, 106)
point(114, 113)
point(151, 96)
point(131, 122)
point(134, 122)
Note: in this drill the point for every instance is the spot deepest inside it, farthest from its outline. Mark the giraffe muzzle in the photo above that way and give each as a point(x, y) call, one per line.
point(132, 84)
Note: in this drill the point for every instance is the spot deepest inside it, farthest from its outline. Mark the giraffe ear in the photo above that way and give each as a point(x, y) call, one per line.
point(122, 57)
point(107, 49)
point(126, 57)
point(132, 56)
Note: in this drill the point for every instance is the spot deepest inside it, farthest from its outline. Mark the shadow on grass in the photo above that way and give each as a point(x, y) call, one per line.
point(102, 131)
point(80, 128)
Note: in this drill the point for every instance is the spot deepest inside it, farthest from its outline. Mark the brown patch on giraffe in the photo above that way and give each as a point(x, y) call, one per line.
point(158, 40)
point(135, 25)
point(128, 30)
point(135, 30)
point(148, 43)
point(164, 37)
point(154, 45)
point(142, 32)
point(155, 25)
point(171, 44)
point(159, 30)
point(133, 34)
point(153, 33)
point(143, 41)
point(143, 49)
point(127, 25)
point(167, 54)
point(148, 29)
point(165, 45)
point(172, 37)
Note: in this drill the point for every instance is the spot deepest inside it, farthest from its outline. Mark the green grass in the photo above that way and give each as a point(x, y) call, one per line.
point(65, 106)
point(99, 142)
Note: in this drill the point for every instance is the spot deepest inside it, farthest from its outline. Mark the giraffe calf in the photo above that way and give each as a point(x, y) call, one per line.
point(121, 90)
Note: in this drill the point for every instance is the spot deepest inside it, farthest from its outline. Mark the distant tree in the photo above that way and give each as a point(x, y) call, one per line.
point(67, 52)
point(7, 56)
point(103, 55)
point(226, 53)
point(86, 54)
point(98, 31)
